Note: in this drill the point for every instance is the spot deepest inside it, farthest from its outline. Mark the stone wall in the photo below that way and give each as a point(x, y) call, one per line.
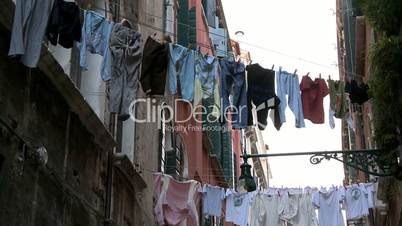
point(68, 190)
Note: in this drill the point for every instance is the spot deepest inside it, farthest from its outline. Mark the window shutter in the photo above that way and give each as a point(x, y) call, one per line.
point(227, 155)
point(182, 19)
point(192, 29)
point(171, 163)
point(208, 221)
point(213, 129)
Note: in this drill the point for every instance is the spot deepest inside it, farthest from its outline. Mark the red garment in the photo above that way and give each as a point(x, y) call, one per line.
point(312, 95)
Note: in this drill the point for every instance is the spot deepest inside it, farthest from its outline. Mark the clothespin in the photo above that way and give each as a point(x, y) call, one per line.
point(295, 72)
point(319, 75)
point(329, 76)
point(273, 66)
point(308, 73)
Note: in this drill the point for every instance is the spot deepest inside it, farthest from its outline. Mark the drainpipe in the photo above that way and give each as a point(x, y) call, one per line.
point(113, 129)
point(164, 15)
point(109, 181)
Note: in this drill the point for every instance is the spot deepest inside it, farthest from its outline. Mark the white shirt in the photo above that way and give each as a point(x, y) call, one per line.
point(356, 201)
point(371, 191)
point(237, 207)
point(265, 210)
point(289, 204)
point(329, 208)
point(306, 215)
point(212, 200)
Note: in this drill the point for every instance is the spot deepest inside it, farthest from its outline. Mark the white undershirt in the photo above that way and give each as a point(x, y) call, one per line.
point(356, 202)
point(329, 209)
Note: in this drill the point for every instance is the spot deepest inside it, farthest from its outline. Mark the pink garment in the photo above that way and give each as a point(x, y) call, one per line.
point(175, 201)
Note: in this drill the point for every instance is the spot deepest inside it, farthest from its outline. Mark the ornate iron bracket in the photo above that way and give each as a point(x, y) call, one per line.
point(371, 161)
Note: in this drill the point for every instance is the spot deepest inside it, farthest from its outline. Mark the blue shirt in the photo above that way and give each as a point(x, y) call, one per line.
point(95, 37)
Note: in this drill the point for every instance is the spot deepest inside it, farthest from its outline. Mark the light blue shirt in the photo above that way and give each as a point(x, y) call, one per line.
point(184, 59)
point(212, 201)
point(95, 37)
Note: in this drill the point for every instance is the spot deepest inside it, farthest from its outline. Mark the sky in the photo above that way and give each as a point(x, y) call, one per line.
point(295, 35)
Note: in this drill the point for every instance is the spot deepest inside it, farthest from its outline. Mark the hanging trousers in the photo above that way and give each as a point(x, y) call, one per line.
point(154, 67)
point(126, 54)
point(288, 84)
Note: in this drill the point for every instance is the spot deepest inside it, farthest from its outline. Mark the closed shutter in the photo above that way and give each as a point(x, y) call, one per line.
point(171, 163)
point(192, 30)
point(221, 142)
point(208, 221)
point(182, 22)
point(212, 129)
point(227, 155)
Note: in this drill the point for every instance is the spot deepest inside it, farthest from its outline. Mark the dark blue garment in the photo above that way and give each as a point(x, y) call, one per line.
point(233, 82)
point(261, 92)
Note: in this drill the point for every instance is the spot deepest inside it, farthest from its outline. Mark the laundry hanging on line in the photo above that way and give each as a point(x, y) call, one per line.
point(270, 207)
point(64, 25)
point(312, 96)
point(125, 58)
point(190, 71)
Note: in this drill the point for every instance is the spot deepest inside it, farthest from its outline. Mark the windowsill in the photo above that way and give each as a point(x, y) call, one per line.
point(123, 163)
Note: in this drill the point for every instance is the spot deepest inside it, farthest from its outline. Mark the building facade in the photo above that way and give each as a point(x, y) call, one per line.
point(65, 159)
point(355, 40)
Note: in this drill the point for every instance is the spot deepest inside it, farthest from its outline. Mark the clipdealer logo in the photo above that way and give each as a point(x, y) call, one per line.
point(155, 112)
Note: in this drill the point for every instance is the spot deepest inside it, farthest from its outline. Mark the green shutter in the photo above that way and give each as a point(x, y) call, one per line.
point(221, 141)
point(227, 155)
point(192, 22)
point(212, 129)
point(171, 163)
point(208, 221)
point(182, 19)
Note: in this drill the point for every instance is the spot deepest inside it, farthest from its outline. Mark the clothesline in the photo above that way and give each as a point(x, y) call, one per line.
point(269, 206)
point(219, 35)
point(282, 96)
point(200, 76)
point(224, 181)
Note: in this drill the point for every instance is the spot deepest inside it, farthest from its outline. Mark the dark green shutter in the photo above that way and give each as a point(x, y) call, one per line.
point(208, 221)
point(171, 163)
point(221, 141)
point(227, 155)
point(212, 129)
point(192, 31)
point(182, 19)
point(187, 25)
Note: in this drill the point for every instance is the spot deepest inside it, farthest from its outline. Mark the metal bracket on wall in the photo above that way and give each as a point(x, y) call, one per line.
point(371, 161)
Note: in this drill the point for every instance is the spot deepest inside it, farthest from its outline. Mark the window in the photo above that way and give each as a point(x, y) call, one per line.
point(172, 151)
